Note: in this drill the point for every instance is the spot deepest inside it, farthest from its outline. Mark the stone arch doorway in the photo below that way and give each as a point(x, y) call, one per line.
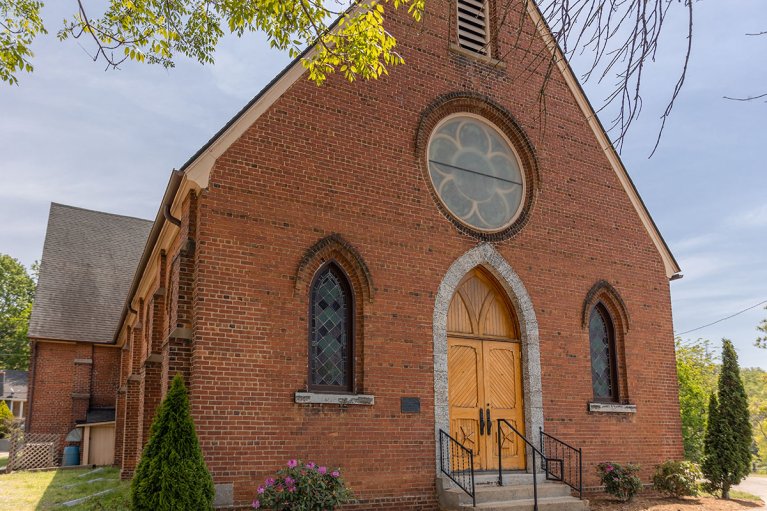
point(508, 284)
point(485, 372)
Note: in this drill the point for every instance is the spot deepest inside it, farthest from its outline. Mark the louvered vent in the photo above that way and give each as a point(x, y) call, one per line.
point(472, 25)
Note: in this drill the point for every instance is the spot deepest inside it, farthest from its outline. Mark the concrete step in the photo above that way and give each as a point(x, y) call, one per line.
point(545, 504)
point(458, 497)
point(509, 478)
point(515, 495)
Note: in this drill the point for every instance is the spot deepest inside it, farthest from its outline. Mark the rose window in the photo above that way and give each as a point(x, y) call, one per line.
point(476, 173)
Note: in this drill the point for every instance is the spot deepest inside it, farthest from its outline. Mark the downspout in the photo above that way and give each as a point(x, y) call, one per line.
point(31, 387)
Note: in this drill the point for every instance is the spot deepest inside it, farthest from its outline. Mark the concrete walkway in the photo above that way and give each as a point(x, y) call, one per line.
point(755, 485)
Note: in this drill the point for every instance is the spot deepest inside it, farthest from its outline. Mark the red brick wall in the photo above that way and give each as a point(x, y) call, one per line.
point(51, 404)
point(68, 380)
point(106, 371)
point(343, 159)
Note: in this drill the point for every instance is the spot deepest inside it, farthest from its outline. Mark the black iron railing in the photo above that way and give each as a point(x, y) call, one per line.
point(563, 462)
point(535, 454)
point(457, 463)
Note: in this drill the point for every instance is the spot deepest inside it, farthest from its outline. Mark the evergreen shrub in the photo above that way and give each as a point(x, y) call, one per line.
point(172, 475)
point(727, 446)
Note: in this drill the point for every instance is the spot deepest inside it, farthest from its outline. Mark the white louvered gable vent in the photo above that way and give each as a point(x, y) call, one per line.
point(472, 25)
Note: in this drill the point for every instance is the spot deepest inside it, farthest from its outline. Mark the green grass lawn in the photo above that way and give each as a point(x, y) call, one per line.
point(741, 495)
point(41, 491)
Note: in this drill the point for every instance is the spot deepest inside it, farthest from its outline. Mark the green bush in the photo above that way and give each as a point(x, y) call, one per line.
point(728, 441)
point(172, 474)
point(677, 478)
point(620, 481)
point(302, 487)
point(6, 419)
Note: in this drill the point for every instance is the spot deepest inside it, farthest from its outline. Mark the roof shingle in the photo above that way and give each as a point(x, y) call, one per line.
point(89, 259)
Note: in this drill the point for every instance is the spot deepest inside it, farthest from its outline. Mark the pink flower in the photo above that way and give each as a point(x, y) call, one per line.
point(256, 504)
point(609, 468)
point(269, 481)
point(260, 490)
point(292, 463)
point(289, 481)
point(310, 465)
point(292, 489)
point(322, 470)
point(335, 473)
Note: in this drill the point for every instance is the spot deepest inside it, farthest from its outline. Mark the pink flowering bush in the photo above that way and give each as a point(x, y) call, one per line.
point(620, 480)
point(303, 487)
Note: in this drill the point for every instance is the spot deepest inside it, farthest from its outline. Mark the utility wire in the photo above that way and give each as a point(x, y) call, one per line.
point(723, 319)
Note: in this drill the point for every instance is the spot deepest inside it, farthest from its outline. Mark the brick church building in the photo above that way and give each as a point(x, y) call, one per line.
point(350, 273)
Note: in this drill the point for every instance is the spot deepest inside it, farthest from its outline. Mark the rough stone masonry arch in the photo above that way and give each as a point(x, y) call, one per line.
point(486, 256)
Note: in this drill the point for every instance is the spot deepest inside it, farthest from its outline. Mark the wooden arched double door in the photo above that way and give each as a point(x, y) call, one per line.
point(485, 372)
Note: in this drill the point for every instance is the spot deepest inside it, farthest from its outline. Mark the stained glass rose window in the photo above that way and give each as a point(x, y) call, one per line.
point(475, 172)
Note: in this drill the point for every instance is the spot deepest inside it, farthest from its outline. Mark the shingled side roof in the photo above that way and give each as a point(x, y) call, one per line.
point(14, 384)
point(89, 259)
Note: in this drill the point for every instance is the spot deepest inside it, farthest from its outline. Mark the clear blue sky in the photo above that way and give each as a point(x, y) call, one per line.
point(74, 134)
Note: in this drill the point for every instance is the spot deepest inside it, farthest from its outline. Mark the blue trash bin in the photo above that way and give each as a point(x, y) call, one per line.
point(71, 455)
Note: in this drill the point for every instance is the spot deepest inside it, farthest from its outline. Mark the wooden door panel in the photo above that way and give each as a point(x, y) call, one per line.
point(463, 376)
point(465, 390)
point(503, 394)
point(484, 373)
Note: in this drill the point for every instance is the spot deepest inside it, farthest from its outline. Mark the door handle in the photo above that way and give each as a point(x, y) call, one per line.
point(489, 421)
point(481, 423)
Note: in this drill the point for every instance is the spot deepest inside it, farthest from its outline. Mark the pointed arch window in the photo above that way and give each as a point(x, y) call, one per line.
point(604, 377)
point(331, 339)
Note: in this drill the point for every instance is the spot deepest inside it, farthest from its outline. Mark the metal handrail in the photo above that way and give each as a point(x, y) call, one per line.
point(469, 488)
point(535, 451)
point(565, 475)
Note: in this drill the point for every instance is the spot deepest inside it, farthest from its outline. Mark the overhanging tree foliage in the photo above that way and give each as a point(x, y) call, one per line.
point(620, 36)
point(172, 474)
point(17, 291)
point(728, 435)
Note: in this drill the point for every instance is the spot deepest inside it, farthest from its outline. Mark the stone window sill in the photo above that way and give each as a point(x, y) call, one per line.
point(323, 398)
point(612, 408)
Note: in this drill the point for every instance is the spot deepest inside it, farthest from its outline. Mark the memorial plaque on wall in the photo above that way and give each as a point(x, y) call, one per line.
point(410, 404)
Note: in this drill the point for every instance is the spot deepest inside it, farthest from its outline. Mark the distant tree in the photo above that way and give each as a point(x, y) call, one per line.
point(172, 474)
point(697, 372)
point(728, 435)
point(17, 291)
point(755, 383)
point(761, 341)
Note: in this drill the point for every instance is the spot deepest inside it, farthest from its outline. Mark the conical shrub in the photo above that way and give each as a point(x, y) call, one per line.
point(728, 435)
point(172, 475)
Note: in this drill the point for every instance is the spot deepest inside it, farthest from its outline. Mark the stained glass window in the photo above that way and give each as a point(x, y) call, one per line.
point(601, 338)
point(330, 344)
point(475, 173)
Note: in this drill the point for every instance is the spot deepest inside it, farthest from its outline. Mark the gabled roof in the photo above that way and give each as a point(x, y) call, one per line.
point(14, 384)
point(89, 259)
point(198, 167)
